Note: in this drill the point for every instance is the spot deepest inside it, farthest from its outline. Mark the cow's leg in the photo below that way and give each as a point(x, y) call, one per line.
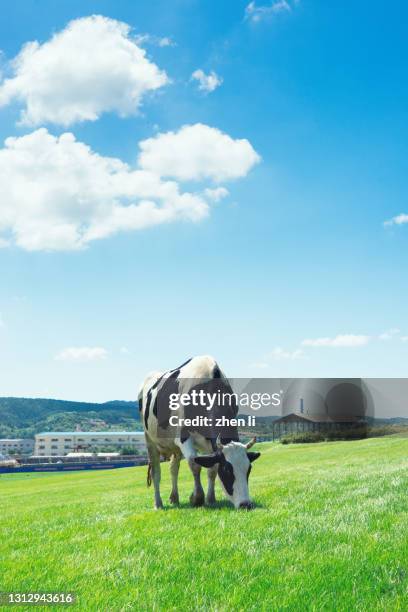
point(174, 470)
point(154, 458)
point(197, 496)
point(211, 475)
point(189, 452)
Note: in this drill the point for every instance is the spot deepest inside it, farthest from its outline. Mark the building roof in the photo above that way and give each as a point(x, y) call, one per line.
point(90, 433)
point(16, 440)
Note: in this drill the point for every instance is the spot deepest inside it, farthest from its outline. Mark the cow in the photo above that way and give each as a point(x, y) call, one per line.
point(224, 454)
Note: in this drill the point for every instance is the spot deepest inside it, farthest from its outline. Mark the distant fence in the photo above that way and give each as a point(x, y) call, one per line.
point(71, 467)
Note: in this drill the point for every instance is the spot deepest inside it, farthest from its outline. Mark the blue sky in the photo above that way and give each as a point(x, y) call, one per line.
point(293, 273)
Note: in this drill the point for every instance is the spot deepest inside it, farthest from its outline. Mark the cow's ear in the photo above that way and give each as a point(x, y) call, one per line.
point(253, 456)
point(207, 461)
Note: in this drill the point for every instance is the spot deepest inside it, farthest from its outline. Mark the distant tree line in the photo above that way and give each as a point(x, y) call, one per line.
point(24, 417)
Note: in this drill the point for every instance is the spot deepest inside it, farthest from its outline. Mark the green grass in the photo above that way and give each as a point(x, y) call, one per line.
point(329, 533)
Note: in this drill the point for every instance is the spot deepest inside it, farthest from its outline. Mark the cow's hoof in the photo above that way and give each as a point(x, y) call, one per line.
point(174, 499)
point(158, 506)
point(196, 500)
point(210, 500)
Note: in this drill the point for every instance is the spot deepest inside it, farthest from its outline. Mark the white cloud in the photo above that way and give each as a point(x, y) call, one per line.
point(256, 13)
point(404, 338)
point(197, 152)
point(158, 41)
point(82, 353)
point(216, 194)
point(1, 320)
point(206, 82)
point(346, 340)
point(91, 67)
point(279, 354)
point(4, 243)
point(398, 220)
point(166, 42)
point(389, 334)
point(124, 350)
point(58, 194)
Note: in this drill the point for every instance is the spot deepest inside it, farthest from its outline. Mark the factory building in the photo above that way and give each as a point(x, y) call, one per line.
point(16, 446)
point(59, 443)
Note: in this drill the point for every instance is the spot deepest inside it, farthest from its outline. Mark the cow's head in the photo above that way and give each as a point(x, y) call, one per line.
point(234, 466)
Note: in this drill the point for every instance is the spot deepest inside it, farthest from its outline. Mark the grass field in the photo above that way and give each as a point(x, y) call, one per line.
point(330, 532)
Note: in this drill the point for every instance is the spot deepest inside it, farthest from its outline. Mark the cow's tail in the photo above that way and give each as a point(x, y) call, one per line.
point(149, 474)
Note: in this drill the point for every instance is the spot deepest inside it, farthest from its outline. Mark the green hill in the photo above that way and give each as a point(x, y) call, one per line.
point(329, 532)
point(23, 417)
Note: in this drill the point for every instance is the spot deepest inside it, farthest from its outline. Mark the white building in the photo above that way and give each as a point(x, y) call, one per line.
point(63, 442)
point(16, 446)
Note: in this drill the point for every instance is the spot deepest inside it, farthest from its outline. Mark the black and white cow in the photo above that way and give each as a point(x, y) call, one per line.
point(225, 455)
